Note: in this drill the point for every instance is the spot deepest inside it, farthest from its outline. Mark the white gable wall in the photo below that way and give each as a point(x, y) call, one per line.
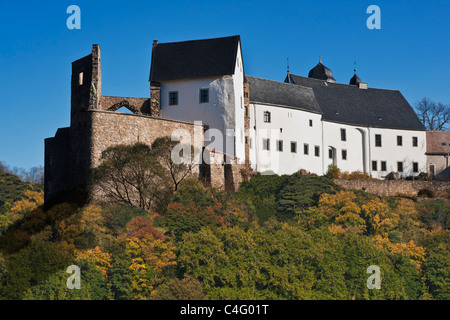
point(225, 109)
point(218, 113)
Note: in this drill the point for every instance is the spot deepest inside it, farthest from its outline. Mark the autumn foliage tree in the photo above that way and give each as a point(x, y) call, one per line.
point(130, 175)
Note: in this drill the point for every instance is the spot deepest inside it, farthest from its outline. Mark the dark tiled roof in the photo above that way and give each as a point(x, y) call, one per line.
point(321, 72)
point(194, 59)
point(355, 80)
point(282, 94)
point(438, 142)
point(367, 107)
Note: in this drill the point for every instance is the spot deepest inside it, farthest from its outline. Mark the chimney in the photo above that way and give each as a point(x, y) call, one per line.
point(155, 42)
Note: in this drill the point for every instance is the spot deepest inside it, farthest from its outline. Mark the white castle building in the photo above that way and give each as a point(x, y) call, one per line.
point(301, 123)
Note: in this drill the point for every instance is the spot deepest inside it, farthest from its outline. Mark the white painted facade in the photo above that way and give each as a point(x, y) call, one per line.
point(356, 153)
point(319, 143)
point(224, 110)
point(362, 151)
point(286, 126)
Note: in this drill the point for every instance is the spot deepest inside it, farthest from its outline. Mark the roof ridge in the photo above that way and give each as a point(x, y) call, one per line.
point(281, 82)
point(197, 40)
point(342, 84)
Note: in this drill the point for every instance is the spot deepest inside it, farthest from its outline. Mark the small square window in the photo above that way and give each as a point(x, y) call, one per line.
point(374, 166)
point(173, 98)
point(280, 145)
point(293, 147)
point(415, 167)
point(383, 166)
point(399, 166)
point(204, 95)
point(343, 135)
point(344, 154)
point(266, 144)
point(414, 141)
point(306, 148)
point(399, 140)
point(378, 140)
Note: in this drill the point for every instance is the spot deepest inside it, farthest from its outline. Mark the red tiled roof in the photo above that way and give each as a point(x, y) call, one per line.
point(438, 142)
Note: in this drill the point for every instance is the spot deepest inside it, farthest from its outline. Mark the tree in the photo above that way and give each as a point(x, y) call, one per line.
point(434, 116)
point(177, 170)
point(130, 175)
point(187, 288)
point(301, 192)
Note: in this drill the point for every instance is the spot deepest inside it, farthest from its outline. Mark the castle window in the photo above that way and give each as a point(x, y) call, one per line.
point(80, 78)
point(414, 141)
point(293, 147)
point(344, 154)
point(399, 140)
point(305, 148)
point(374, 166)
point(399, 166)
point(280, 145)
point(343, 135)
point(415, 167)
point(378, 140)
point(173, 98)
point(266, 144)
point(266, 116)
point(317, 151)
point(310, 123)
point(204, 95)
point(383, 166)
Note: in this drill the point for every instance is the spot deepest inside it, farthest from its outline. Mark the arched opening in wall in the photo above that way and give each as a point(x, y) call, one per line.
point(123, 107)
point(124, 110)
point(332, 156)
point(363, 150)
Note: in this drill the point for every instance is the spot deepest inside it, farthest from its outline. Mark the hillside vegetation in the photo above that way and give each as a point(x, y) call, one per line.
point(278, 237)
point(13, 189)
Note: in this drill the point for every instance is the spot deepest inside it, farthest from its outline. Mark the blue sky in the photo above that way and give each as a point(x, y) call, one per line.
point(410, 52)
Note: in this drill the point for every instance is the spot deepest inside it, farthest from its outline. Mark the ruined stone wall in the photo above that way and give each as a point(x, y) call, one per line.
point(225, 173)
point(112, 128)
point(135, 105)
point(57, 164)
point(384, 188)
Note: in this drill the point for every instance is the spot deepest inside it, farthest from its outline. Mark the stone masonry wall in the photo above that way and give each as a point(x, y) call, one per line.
point(111, 128)
point(384, 188)
point(225, 172)
point(136, 105)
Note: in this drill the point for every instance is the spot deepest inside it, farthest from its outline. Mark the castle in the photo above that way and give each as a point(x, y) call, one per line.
point(200, 86)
